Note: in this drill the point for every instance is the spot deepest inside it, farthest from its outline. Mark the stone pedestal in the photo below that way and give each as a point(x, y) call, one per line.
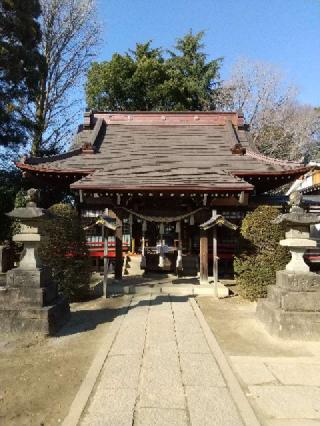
point(292, 308)
point(29, 302)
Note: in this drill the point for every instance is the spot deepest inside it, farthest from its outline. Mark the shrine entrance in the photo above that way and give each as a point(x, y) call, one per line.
point(164, 240)
point(179, 246)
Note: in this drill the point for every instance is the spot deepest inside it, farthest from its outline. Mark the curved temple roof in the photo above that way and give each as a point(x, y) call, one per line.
point(198, 151)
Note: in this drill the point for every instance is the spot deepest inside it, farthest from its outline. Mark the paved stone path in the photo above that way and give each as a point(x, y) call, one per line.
point(284, 391)
point(160, 371)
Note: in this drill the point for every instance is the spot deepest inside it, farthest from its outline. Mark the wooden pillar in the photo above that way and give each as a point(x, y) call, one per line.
point(203, 257)
point(105, 259)
point(215, 261)
point(179, 256)
point(130, 232)
point(119, 260)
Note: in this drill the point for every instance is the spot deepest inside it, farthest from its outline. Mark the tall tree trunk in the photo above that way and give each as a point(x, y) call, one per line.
point(40, 120)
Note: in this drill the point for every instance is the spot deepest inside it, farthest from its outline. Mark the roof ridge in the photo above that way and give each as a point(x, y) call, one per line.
point(272, 160)
point(94, 137)
point(51, 158)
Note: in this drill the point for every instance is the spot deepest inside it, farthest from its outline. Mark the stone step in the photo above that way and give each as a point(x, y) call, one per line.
point(189, 266)
point(173, 289)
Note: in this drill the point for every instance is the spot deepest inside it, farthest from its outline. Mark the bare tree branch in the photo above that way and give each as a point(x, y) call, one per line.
point(281, 127)
point(70, 33)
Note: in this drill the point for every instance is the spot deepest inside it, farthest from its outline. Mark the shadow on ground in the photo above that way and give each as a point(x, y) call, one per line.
point(106, 310)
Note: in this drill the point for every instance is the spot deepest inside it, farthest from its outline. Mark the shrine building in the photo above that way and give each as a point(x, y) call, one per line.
point(162, 175)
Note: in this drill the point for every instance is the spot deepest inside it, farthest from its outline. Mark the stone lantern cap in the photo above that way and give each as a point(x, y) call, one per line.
point(297, 216)
point(31, 211)
point(297, 223)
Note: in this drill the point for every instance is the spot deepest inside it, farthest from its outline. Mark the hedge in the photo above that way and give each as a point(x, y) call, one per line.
point(63, 249)
point(255, 268)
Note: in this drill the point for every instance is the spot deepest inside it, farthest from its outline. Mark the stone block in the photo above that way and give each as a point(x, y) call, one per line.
point(298, 281)
point(6, 258)
point(23, 296)
point(121, 371)
point(196, 344)
point(289, 324)
point(252, 371)
point(211, 406)
point(155, 395)
point(200, 370)
point(26, 296)
point(160, 417)
point(295, 372)
point(110, 407)
point(28, 278)
point(287, 402)
point(275, 294)
point(301, 301)
point(3, 279)
point(45, 320)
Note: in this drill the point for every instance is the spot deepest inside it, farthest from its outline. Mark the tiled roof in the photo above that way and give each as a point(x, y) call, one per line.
point(190, 153)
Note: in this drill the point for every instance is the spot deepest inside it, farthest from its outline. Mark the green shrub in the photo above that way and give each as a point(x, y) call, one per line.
point(255, 268)
point(63, 249)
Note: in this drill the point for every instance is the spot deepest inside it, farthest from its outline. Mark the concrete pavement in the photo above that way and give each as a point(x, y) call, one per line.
point(163, 368)
point(284, 391)
point(281, 378)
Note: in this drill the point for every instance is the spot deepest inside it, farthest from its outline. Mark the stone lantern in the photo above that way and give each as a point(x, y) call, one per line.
point(29, 302)
point(297, 224)
point(292, 307)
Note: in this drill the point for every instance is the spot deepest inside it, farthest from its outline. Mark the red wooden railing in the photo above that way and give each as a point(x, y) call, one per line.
point(96, 249)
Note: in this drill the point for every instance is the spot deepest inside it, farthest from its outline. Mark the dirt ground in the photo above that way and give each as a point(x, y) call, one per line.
point(239, 333)
point(39, 377)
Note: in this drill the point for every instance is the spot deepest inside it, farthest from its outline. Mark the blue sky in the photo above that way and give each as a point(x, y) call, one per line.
point(283, 32)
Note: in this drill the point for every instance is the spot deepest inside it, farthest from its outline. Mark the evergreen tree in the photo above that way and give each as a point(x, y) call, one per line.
point(21, 66)
point(193, 82)
point(147, 79)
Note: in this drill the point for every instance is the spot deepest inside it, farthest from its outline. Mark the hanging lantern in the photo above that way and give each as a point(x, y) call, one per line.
point(144, 226)
point(192, 220)
point(161, 230)
point(178, 227)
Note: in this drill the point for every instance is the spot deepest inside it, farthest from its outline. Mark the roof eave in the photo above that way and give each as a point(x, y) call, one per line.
point(29, 168)
point(242, 173)
point(173, 188)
